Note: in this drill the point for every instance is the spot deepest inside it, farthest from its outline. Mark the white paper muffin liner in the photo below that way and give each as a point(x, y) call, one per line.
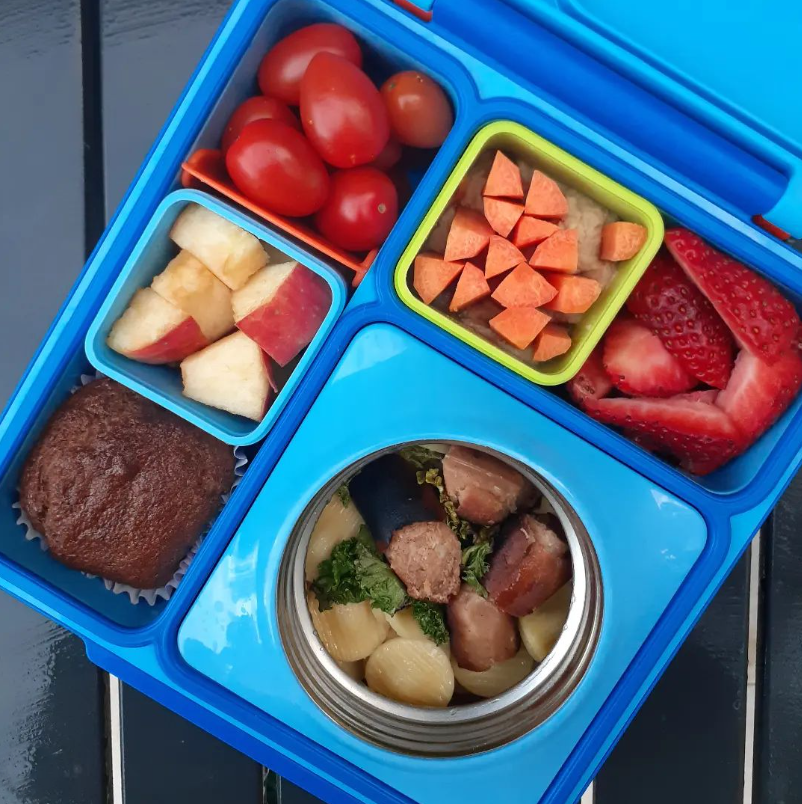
point(149, 596)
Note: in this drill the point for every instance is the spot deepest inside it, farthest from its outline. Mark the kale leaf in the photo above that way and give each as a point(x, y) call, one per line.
point(355, 572)
point(420, 457)
point(344, 494)
point(475, 564)
point(431, 618)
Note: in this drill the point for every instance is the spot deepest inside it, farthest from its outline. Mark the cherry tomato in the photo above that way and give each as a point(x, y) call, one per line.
point(361, 209)
point(274, 165)
point(390, 155)
point(258, 108)
point(283, 67)
point(420, 114)
point(342, 112)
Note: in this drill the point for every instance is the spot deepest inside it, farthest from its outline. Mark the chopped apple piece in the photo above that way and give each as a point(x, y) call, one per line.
point(233, 374)
point(230, 253)
point(281, 308)
point(188, 284)
point(152, 330)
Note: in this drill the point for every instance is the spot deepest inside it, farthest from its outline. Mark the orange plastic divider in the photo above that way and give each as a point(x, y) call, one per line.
point(421, 13)
point(771, 228)
point(206, 166)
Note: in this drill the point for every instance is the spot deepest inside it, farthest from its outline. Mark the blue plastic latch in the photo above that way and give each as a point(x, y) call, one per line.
point(732, 67)
point(786, 214)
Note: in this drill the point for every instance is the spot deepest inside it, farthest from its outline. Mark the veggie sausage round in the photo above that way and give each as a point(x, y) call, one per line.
point(426, 557)
point(481, 634)
point(531, 565)
point(485, 489)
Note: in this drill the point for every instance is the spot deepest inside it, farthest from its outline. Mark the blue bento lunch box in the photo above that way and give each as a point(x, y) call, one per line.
point(698, 138)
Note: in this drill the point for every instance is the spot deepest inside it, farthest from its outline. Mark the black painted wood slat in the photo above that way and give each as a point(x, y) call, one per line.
point(52, 746)
point(687, 742)
point(41, 164)
point(167, 760)
point(778, 732)
point(149, 48)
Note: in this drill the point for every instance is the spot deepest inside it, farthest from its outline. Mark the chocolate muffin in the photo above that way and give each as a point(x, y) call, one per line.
point(122, 488)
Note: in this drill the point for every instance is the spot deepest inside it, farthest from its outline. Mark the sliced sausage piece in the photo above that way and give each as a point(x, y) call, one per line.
point(388, 496)
point(485, 489)
point(481, 634)
point(426, 557)
point(531, 565)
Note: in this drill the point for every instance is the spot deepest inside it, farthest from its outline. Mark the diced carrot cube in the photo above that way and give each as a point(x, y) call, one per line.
point(524, 288)
point(432, 275)
point(621, 240)
point(468, 235)
point(545, 199)
point(529, 231)
point(553, 341)
point(560, 252)
point(575, 294)
point(519, 325)
point(504, 179)
point(501, 256)
point(472, 287)
point(502, 215)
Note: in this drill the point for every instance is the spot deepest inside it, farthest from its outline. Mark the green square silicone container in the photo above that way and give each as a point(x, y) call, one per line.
point(521, 143)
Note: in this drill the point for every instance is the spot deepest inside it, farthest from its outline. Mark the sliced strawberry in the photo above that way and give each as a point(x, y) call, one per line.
point(758, 393)
point(761, 318)
point(673, 307)
point(639, 364)
point(708, 396)
point(700, 435)
point(591, 381)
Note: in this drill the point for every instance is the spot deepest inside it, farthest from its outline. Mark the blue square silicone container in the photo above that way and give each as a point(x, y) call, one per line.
point(162, 384)
point(603, 82)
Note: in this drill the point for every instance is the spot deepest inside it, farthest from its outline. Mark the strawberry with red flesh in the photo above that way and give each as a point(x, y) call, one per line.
point(758, 393)
point(591, 382)
point(639, 364)
point(763, 321)
point(667, 302)
point(700, 435)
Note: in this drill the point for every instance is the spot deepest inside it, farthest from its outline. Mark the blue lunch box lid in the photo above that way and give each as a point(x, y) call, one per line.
point(728, 66)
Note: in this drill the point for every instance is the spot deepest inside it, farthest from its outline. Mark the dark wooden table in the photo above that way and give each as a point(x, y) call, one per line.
point(84, 87)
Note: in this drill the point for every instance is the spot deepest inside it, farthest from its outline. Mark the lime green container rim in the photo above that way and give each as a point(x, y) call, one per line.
point(522, 142)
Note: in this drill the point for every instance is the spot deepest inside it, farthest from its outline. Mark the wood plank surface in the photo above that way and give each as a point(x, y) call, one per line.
point(687, 742)
point(52, 748)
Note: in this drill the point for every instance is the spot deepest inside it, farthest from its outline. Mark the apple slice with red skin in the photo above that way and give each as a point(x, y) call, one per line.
point(188, 284)
point(233, 374)
point(152, 330)
point(281, 308)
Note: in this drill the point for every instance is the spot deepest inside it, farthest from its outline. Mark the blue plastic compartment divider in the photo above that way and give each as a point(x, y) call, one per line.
point(497, 65)
point(162, 384)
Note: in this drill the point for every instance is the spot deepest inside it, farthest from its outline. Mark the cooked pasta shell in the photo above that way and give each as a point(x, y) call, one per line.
point(335, 524)
point(412, 671)
point(354, 669)
point(541, 629)
point(405, 625)
point(499, 678)
point(350, 632)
